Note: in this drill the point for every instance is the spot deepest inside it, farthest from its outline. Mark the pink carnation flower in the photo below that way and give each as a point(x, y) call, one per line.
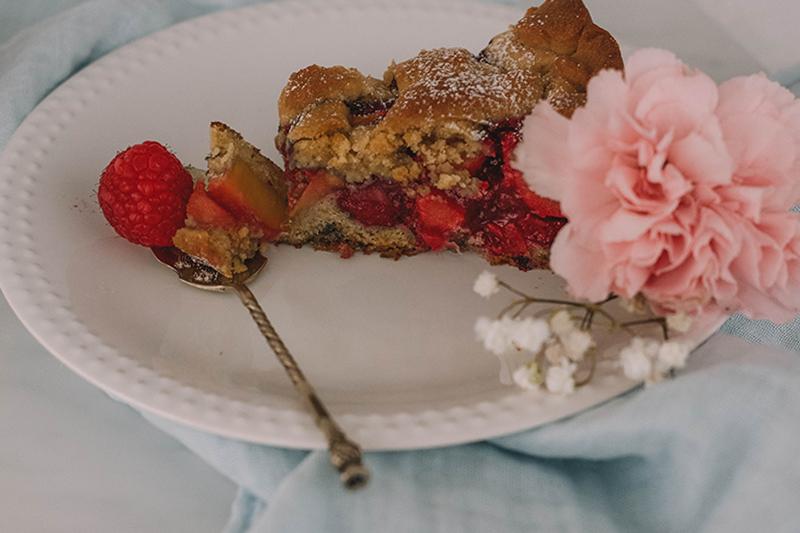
point(675, 189)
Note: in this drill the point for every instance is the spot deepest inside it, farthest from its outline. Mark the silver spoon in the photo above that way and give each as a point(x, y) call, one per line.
point(344, 453)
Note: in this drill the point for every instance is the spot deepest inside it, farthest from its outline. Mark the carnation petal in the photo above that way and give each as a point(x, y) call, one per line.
point(582, 264)
point(625, 225)
point(701, 161)
point(677, 104)
point(761, 124)
point(543, 157)
point(752, 94)
point(758, 305)
point(647, 60)
point(747, 201)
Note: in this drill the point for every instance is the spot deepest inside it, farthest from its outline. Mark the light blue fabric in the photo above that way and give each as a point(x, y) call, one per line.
point(714, 450)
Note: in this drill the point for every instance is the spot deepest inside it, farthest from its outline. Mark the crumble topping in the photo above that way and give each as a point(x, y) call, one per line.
point(425, 119)
point(226, 251)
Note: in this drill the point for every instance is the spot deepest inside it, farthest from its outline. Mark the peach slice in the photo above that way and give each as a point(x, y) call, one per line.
point(207, 213)
point(320, 185)
point(249, 199)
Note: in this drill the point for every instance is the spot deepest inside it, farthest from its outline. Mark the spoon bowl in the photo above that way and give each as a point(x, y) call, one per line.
point(202, 276)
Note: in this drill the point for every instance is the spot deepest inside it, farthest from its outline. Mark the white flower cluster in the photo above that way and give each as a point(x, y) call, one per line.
point(519, 343)
point(537, 353)
point(649, 360)
point(486, 285)
point(507, 334)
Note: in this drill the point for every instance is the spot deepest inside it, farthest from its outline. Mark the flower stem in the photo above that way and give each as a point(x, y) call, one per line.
point(590, 375)
point(512, 305)
point(586, 323)
point(661, 321)
point(512, 289)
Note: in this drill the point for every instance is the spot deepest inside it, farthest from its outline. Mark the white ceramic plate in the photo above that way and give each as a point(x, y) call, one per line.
point(389, 345)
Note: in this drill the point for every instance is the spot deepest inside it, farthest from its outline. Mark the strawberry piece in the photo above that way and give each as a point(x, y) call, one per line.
point(435, 240)
point(505, 240)
point(143, 193)
point(544, 207)
point(249, 199)
point(538, 231)
point(438, 216)
point(377, 204)
point(320, 184)
point(436, 211)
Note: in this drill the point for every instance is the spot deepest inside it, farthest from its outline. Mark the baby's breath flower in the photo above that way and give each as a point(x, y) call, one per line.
point(528, 376)
point(555, 353)
point(482, 327)
point(561, 323)
point(559, 378)
point(494, 334)
point(576, 343)
point(636, 363)
point(672, 355)
point(679, 322)
point(486, 285)
point(530, 334)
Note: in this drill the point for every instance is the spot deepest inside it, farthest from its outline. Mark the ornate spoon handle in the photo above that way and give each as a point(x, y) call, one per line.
point(345, 454)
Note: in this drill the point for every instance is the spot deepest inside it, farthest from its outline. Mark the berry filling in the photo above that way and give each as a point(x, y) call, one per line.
point(437, 218)
point(509, 219)
point(505, 218)
point(381, 203)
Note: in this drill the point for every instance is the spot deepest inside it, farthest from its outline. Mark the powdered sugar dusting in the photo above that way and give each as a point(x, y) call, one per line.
point(564, 100)
point(452, 84)
point(506, 51)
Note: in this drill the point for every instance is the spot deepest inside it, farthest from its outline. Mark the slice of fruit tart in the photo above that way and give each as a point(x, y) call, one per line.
point(421, 160)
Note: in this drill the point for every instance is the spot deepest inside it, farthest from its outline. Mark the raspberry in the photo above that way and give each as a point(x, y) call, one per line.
point(143, 194)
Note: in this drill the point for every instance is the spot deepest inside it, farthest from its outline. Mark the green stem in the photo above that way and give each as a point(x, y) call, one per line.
point(521, 309)
point(609, 299)
point(589, 376)
point(658, 320)
point(509, 307)
point(512, 289)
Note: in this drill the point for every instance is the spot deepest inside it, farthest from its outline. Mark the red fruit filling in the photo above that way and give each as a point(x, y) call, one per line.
point(207, 213)
point(509, 218)
point(437, 218)
point(380, 203)
point(506, 218)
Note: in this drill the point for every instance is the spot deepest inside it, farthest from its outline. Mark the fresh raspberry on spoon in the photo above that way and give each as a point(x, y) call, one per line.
point(143, 194)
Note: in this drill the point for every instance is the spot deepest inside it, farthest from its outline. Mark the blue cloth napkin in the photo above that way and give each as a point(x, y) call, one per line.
point(714, 450)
